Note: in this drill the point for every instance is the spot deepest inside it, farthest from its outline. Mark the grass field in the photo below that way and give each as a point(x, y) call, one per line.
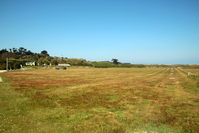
point(154, 100)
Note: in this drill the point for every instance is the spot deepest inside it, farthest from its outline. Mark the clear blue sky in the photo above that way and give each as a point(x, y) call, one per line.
point(136, 31)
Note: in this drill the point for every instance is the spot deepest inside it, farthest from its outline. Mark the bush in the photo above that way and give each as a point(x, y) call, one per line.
point(3, 66)
point(128, 65)
point(104, 64)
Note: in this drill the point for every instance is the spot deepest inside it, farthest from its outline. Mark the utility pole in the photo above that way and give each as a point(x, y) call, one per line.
point(7, 64)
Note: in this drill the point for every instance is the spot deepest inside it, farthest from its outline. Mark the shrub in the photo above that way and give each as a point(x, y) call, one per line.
point(104, 64)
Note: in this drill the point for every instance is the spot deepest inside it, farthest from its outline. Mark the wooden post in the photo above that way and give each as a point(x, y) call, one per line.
point(7, 64)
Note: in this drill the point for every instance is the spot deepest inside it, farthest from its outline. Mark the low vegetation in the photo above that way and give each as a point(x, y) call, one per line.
point(158, 100)
point(20, 56)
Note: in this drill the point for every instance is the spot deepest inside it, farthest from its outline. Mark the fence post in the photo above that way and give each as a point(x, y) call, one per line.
point(7, 63)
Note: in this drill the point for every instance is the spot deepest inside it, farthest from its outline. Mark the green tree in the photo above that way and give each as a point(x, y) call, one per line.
point(115, 61)
point(44, 52)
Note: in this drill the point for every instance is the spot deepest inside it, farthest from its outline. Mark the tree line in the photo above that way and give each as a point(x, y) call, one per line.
point(19, 56)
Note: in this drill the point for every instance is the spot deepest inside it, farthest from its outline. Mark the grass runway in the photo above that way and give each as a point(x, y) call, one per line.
point(123, 100)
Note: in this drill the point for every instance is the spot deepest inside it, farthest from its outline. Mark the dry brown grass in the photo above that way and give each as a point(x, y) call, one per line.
point(109, 100)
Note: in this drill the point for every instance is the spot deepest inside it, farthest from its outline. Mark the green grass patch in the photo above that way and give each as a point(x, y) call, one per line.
point(153, 128)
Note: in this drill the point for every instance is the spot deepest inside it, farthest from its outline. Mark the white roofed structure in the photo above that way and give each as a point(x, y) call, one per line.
point(66, 65)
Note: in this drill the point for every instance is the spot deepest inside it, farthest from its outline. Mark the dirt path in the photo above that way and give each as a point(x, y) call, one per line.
point(1, 71)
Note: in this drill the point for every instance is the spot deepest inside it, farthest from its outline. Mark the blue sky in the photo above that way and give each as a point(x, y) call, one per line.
point(135, 31)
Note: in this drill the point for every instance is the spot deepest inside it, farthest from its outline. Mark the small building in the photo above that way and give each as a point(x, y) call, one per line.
point(64, 65)
point(30, 63)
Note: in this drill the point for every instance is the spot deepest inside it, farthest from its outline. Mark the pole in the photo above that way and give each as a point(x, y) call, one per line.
point(7, 64)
